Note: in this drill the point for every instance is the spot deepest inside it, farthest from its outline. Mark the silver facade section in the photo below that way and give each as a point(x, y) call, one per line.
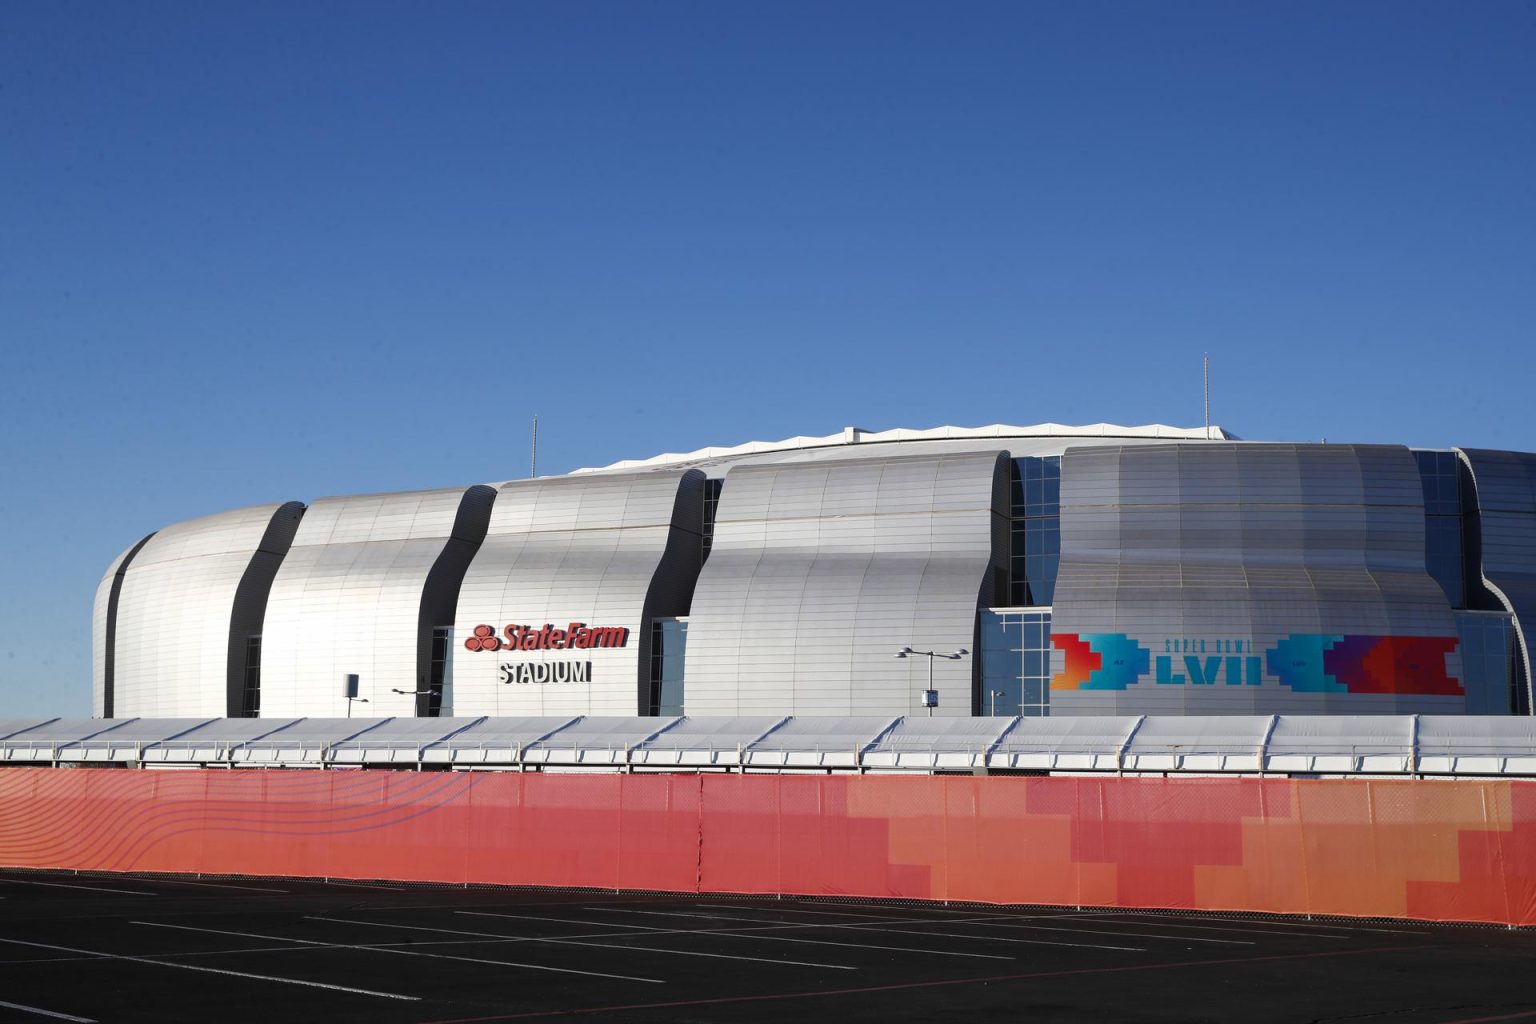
point(820, 573)
point(366, 581)
point(1506, 502)
point(1248, 578)
point(188, 601)
point(600, 551)
point(104, 632)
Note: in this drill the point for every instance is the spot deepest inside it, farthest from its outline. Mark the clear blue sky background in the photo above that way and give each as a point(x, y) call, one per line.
point(260, 252)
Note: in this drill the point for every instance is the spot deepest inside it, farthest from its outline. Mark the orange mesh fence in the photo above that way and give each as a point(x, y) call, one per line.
point(1436, 850)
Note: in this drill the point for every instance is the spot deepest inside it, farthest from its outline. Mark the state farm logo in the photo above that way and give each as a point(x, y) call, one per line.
point(578, 636)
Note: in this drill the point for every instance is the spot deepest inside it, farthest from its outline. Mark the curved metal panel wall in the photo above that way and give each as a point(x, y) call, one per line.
point(1248, 579)
point(820, 573)
point(353, 596)
point(177, 607)
point(609, 551)
point(104, 631)
point(1506, 511)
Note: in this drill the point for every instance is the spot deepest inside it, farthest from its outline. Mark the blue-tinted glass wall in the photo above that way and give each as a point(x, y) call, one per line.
point(1488, 662)
point(669, 645)
point(1439, 473)
point(1016, 663)
point(1036, 530)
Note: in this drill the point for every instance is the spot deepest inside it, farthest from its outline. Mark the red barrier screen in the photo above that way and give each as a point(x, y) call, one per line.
point(1435, 849)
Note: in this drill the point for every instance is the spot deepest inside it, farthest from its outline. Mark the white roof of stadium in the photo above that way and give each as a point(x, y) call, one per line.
point(855, 436)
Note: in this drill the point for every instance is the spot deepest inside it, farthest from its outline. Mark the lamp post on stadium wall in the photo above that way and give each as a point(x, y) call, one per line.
point(930, 695)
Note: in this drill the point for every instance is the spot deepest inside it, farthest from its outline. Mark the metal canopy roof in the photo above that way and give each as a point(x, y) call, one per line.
point(1309, 745)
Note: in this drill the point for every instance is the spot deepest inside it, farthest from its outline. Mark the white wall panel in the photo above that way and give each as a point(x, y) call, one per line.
point(104, 629)
point(349, 598)
point(820, 573)
point(176, 606)
point(611, 550)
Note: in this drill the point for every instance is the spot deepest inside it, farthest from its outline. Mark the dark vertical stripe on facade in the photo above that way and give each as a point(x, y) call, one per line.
point(109, 661)
point(440, 593)
point(1505, 552)
point(249, 607)
point(671, 587)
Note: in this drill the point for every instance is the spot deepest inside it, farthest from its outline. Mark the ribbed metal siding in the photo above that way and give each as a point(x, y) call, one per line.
point(104, 631)
point(611, 549)
point(820, 573)
point(178, 600)
point(348, 598)
point(1185, 549)
point(1506, 502)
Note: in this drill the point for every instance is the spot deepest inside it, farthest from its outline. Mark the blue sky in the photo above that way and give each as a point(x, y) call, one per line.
point(261, 252)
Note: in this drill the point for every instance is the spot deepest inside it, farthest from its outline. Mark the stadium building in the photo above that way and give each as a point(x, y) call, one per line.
point(1018, 571)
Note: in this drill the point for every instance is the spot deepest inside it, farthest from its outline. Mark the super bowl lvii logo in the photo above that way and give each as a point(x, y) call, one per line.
point(1304, 662)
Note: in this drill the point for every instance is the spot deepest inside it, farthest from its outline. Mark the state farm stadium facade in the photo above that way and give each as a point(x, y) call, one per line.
point(1029, 571)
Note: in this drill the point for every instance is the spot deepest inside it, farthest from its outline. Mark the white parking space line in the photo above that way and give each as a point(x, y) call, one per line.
point(743, 933)
point(1287, 924)
point(595, 945)
point(215, 970)
point(46, 1013)
point(1213, 928)
point(1094, 915)
point(564, 920)
point(993, 921)
point(399, 952)
point(213, 885)
point(1162, 920)
point(899, 931)
point(87, 888)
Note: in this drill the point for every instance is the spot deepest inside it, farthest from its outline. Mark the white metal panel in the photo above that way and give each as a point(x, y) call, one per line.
point(349, 599)
point(496, 740)
point(936, 743)
point(214, 740)
point(610, 551)
point(1205, 743)
point(820, 573)
point(706, 742)
point(397, 740)
point(128, 742)
point(174, 612)
point(1064, 744)
point(103, 628)
point(596, 741)
point(43, 741)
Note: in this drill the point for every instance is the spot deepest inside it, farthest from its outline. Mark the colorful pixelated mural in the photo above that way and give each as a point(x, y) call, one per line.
point(1445, 850)
point(1303, 662)
point(1099, 661)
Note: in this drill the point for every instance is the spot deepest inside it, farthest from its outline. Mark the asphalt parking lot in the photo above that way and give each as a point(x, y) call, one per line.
point(94, 947)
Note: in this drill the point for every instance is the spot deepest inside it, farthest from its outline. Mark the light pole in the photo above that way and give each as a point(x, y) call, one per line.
point(415, 693)
point(995, 694)
point(930, 695)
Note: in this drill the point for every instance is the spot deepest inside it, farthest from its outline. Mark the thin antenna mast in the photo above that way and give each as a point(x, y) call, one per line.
point(1207, 396)
point(533, 462)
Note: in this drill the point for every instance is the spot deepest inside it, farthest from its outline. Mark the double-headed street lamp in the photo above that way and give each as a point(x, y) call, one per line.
point(930, 695)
